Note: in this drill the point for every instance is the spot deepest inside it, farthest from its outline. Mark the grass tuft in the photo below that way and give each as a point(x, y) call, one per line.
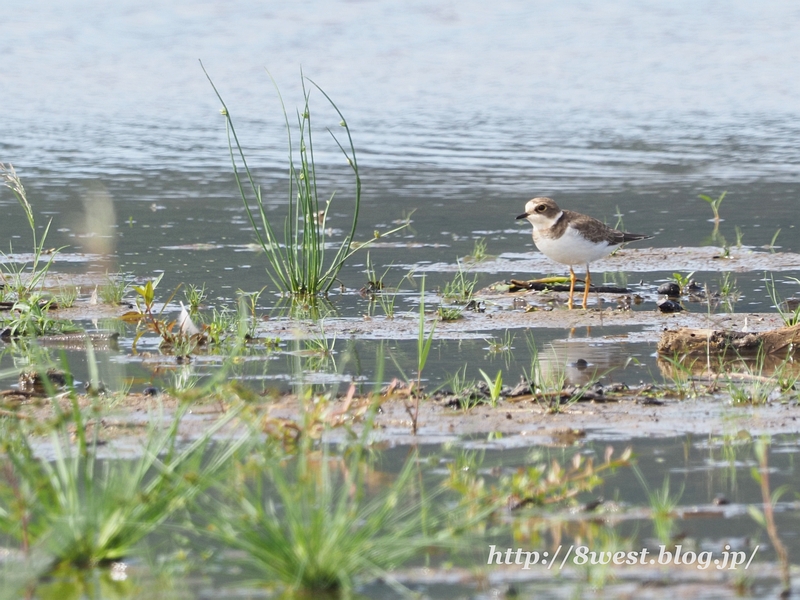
point(298, 262)
point(312, 526)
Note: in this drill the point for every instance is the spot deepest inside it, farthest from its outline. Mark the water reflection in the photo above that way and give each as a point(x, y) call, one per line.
point(580, 362)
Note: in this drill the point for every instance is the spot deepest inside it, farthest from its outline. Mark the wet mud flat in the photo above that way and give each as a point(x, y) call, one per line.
point(644, 410)
point(498, 307)
point(647, 411)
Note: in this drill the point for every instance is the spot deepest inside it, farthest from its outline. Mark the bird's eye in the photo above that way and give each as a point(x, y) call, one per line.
point(540, 208)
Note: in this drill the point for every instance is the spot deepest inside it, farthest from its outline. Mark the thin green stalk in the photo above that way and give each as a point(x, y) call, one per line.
point(423, 348)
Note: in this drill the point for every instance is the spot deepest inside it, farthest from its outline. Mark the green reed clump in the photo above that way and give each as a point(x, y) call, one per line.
point(298, 263)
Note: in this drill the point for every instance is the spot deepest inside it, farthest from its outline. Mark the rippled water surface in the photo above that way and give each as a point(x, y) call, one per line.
point(460, 112)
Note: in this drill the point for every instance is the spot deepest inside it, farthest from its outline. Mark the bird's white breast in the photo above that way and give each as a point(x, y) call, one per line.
point(571, 248)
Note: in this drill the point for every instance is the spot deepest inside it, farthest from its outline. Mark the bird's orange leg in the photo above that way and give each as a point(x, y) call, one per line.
point(571, 287)
point(586, 288)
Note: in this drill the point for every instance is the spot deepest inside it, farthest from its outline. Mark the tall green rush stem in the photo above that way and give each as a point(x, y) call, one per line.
point(423, 348)
point(298, 261)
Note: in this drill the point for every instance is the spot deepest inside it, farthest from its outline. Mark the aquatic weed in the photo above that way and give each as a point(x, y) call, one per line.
point(548, 384)
point(501, 346)
point(66, 296)
point(423, 348)
point(463, 389)
point(682, 280)
point(411, 399)
point(180, 336)
point(679, 368)
point(728, 291)
point(772, 245)
point(755, 383)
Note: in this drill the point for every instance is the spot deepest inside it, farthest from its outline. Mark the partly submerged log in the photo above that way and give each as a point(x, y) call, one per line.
point(715, 341)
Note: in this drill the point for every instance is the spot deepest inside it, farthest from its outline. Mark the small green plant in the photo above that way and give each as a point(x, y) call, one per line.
point(297, 262)
point(620, 224)
point(495, 386)
point(195, 296)
point(318, 352)
point(682, 280)
point(377, 291)
point(790, 316)
point(679, 369)
point(221, 324)
point(374, 281)
point(756, 383)
point(180, 337)
point(31, 318)
point(548, 381)
point(714, 203)
point(462, 287)
point(501, 346)
point(113, 290)
point(541, 484)
point(463, 389)
point(449, 313)
point(19, 279)
point(248, 306)
point(424, 342)
point(387, 300)
point(662, 508)
point(478, 251)
point(728, 291)
point(772, 245)
point(739, 236)
point(67, 295)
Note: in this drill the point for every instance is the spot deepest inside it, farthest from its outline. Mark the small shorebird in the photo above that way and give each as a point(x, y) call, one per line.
point(571, 238)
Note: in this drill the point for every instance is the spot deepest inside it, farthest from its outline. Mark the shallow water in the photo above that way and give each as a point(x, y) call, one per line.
point(115, 132)
point(460, 113)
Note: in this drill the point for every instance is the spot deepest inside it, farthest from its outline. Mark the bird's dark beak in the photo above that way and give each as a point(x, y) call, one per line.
point(523, 216)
